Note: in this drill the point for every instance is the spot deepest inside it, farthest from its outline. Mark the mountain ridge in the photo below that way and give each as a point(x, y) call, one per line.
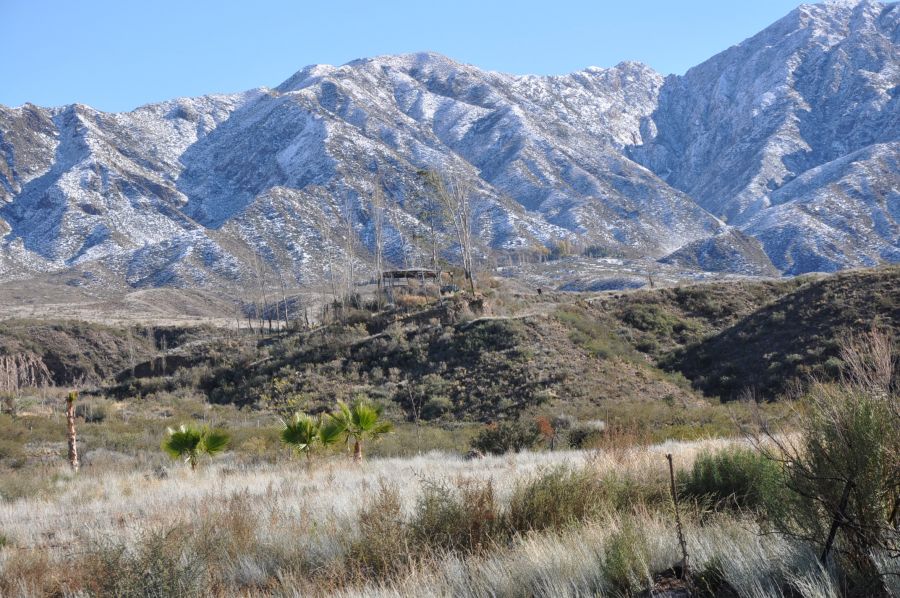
point(185, 192)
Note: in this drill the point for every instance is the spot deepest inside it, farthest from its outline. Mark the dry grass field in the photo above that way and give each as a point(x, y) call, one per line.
point(332, 527)
point(778, 401)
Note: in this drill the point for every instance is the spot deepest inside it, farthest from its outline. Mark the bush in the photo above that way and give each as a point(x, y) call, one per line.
point(163, 564)
point(586, 434)
point(849, 442)
point(741, 477)
point(466, 518)
point(625, 559)
point(507, 436)
point(435, 407)
point(93, 411)
point(381, 547)
point(410, 301)
point(557, 498)
point(848, 435)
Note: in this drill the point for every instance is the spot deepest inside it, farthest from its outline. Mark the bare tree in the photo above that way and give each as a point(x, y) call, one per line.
point(376, 213)
point(431, 210)
point(350, 231)
point(284, 301)
point(455, 198)
point(164, 348)
point(260, 291)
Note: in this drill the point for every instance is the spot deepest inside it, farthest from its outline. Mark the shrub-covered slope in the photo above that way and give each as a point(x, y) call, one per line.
point(795, 337)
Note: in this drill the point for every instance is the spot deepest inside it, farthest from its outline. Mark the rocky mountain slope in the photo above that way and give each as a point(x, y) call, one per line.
point(791, 137)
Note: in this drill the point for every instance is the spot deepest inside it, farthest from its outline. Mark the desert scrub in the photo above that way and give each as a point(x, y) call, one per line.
point(591, 334)
point(164, 563)
point(465, 518)
point(626, 557)
point(507, 436)
point(424, 525)
point(381, 547)
point(93, 411)
point(849, 444)
point(740, 477)
point(554, 499)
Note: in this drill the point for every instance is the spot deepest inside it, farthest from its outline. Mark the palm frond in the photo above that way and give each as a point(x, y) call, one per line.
point(300, 432)
point(188, 442)
point(364, 416)
point(330, 432)
point(214, 442)
point(182, 441)
point(380, 428)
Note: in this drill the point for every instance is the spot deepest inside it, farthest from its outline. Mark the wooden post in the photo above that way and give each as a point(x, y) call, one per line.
point(836, 522)
point(70, 423)
point(685, 566)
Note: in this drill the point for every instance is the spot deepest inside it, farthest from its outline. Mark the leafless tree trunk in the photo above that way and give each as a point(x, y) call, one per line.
point(284, 301)
point(151, 336)
point(376, 209)
point(260, 292)
point(415, 405)
point(350, 232)
point(70, 425)
point(456, 201)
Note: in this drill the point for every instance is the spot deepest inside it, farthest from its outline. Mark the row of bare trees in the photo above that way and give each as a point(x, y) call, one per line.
point(270, 304)
point(446, 207)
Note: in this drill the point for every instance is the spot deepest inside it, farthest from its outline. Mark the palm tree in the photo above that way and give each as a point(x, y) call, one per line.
point(303, 432)
point(360, 422)
point(189, 442)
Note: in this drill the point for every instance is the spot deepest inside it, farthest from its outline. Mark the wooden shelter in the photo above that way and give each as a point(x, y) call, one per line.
point(393, 277)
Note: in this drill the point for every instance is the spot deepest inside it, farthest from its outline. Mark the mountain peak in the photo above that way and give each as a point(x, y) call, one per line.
point(790, 136)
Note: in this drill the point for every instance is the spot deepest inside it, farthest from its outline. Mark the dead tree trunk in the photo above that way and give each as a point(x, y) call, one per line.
point(284, 301)
point(70, 425)
point(376, 209)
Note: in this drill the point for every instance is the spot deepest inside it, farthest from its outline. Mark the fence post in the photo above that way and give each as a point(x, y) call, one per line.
point(685, 565)
point(836, 522)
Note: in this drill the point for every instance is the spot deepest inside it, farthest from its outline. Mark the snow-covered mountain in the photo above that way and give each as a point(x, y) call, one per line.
point(791, 138)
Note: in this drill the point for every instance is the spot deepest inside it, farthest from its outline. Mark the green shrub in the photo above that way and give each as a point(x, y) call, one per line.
point(556, 498)
point(466, 518)
point(740, 477)
point(624, 492)
point(625, 559)
point(849, 434)
point(435, 407)
point(586, 434)
point(381, 547)
point(163, 563)
point(93, 411)
point(507, 436)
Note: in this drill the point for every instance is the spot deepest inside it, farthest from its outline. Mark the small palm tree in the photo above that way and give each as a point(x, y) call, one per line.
point(359, 422)
point(303, 432)
point(189, 442)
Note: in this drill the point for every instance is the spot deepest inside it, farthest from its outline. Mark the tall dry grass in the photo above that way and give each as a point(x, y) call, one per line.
point(545, 524)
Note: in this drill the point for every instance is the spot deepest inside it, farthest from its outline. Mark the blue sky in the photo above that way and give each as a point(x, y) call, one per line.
point(117, 55)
